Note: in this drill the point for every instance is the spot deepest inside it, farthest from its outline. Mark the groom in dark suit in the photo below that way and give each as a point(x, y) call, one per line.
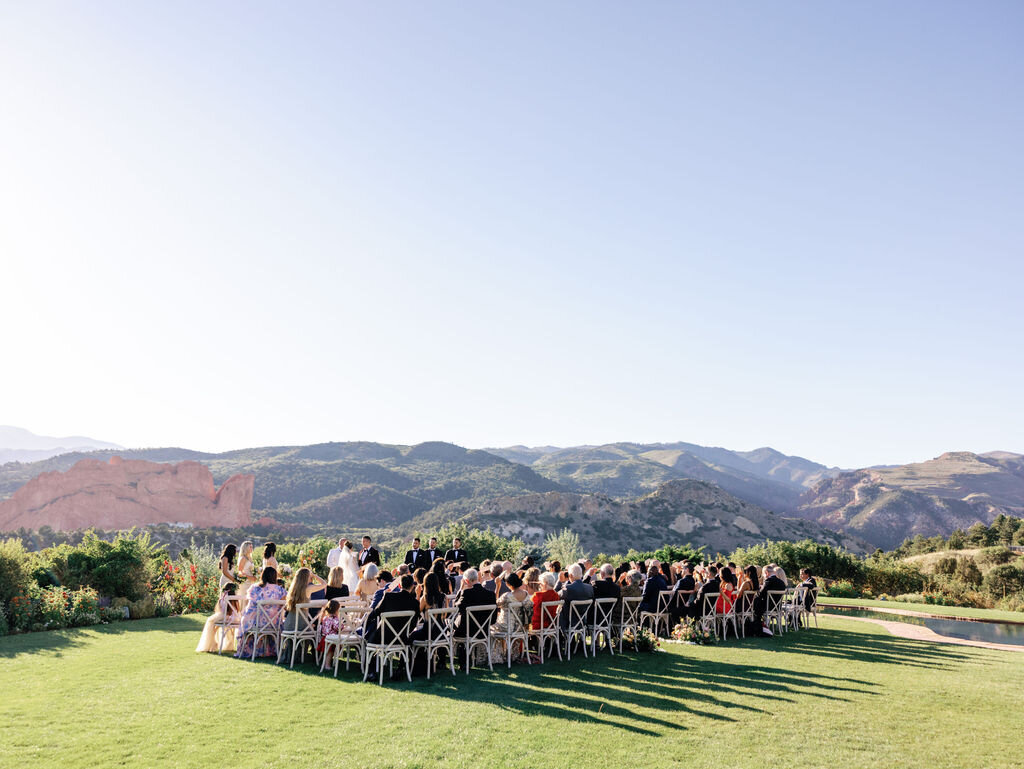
point(369, 553)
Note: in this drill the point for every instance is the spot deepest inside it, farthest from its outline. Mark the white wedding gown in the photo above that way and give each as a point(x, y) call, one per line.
point(350, 568)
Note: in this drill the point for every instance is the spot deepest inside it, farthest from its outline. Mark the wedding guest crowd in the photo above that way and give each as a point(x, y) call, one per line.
point(429, 579)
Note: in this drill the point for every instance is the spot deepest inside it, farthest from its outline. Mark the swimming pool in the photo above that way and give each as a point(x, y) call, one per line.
point(970, 630)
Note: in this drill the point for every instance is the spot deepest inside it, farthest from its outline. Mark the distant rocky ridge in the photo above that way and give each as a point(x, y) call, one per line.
point(677, 511)
point(120, 494)
point(764, 476)
point(886, 505)
point(392, 488)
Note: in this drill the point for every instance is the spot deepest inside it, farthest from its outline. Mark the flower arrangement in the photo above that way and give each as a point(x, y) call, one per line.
point(307, 558)
point(690, 632)
point(643, 640)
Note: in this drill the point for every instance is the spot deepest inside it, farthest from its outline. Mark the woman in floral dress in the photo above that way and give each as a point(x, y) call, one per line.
point(266, 589)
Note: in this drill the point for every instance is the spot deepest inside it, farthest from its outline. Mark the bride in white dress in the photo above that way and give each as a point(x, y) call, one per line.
point(350, 567)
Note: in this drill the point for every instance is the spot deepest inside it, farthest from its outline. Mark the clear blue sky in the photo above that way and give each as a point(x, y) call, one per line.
point(236, 224)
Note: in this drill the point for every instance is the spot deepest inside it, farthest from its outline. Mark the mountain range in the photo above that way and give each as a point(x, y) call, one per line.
point(400, 489)
point(19, 445)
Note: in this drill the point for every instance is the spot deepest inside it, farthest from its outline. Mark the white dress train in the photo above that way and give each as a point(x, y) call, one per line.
point(350, 568)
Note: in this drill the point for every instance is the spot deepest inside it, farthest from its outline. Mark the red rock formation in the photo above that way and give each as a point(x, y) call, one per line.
point(126, 493)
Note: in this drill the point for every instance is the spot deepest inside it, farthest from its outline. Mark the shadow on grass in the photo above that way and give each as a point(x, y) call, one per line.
point(56, 642)
point(660, 693)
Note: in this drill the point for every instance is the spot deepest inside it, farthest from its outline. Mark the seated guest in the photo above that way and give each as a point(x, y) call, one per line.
point(631, 589)
point(266, 589)
point(399, 600)
point(433, 595)
point(575, 590)
point(747, 581)
point(781, 574)
point(443, 581)
point(654, 585)
point(770, 584)
point(330, 624)
point(496, 584)
point(517, 593)
point(726, 591)
point(304, 584)
point(527, 564)
point(336, 587)
point(531, 580)
point(368, 583)
point(605, 587)
point(810, 585)
point(684, 589)
point(710, 587)
point(545, 594)
point(225, 611)
point(473, 594)
point(387, 584)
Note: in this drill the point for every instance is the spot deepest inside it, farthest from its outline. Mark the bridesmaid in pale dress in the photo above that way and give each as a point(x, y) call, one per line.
point(269, 552)
point(208, 641)
point(245, 565)
point(227, 564)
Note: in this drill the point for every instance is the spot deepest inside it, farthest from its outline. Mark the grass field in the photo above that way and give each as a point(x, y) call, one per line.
point(928, 608)
point(849, 695)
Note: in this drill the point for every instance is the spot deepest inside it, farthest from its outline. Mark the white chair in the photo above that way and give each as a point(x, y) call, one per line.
point(774, 611)
point(348, 640)
point(513, 630)
point(477, 632)
point(393, 628)
point(303, 633)
point(744, 610)
point(629, 620)
point(724, 618)
point(230, 623)
point(813, 610)
point(440, 637)
point(550, 611)
point(793, 608)
point(579, 612)
point(705, 618)
point(601, 623)
point(661, 616)
point(267, 624)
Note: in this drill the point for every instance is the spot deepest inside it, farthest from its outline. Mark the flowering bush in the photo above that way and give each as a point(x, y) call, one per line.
point(85, 607)
point(183, 590)
point(691, 632)
point(20, 609)
point(54, 607)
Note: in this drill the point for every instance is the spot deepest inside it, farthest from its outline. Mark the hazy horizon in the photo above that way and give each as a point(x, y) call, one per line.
point(240, 225)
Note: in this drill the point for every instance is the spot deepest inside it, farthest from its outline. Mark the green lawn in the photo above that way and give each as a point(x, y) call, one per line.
point(848, 695)
point(927, 608)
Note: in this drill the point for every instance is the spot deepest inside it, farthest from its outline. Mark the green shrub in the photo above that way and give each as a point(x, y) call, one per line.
point(994, 556)
point(144, 608)
point(892, 577)
point(84, 607)
point(946, 565)
point(110, 614)
point(822, 560)
point(967, 571)
point(563, 547)
point(15, 570)
point(4, 627)
point(909, 598)
point(1004, 580)
point(842, 589)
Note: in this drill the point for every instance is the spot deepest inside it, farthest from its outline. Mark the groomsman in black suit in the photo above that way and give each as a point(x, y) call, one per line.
point(456, 554)
point(416, 558)
point(433, 552)
point(369, 553)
